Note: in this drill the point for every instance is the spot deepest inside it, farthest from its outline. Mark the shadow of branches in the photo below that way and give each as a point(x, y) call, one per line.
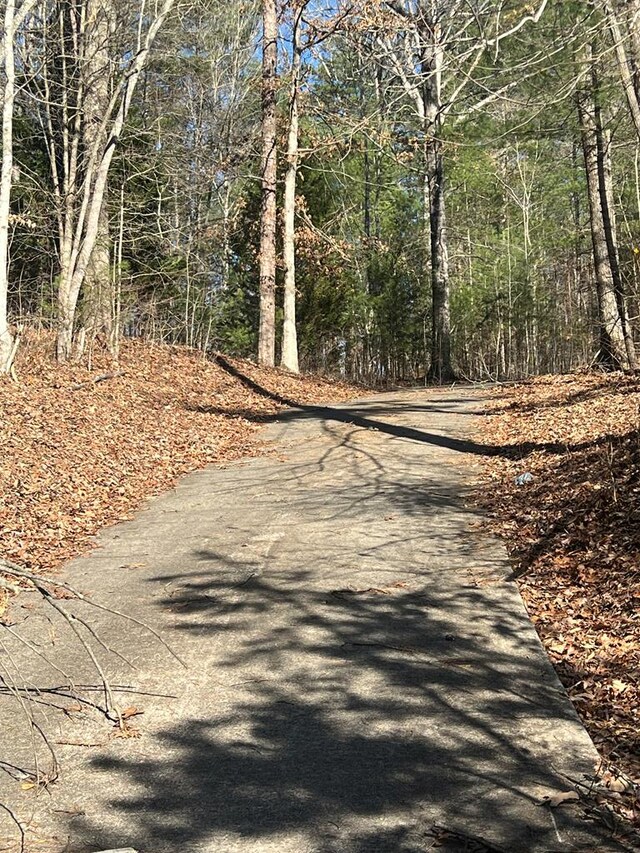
point(355, 682)
point(349, 720)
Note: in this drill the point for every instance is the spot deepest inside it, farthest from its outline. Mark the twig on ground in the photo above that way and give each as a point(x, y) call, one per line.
point(481, 845)
point(39, 581)
point(18, 823)
point(14, 690)
point(10, 367)
point(48, 589)
point(102, 377)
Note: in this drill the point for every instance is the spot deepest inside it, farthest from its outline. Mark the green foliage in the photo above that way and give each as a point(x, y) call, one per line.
point(184, 200)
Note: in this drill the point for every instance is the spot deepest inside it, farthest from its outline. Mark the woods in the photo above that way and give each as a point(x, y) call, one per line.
point(381, 190)
point(225, 231)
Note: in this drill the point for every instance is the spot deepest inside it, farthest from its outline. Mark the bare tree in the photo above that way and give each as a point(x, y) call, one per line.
point(6, 338)
point(12, 21)
point(314, 34)
point(73, 37)
point(289, 358)
point(98, 292)
point(437, 50)
point(625, 32)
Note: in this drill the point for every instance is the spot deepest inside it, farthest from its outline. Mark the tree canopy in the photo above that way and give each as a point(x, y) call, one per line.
point(400, 190)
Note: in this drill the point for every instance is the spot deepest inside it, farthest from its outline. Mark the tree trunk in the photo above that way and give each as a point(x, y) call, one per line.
point(289, 335)
point(6, 338)
point(267, 330)
point(366, 216)
point(612, 353)
point(627, 69)
point(97, 288)
point(66, 316)
point(86, 225)
point(441, 369)
point(432, 65)
point(609, 222)
point(633, 7)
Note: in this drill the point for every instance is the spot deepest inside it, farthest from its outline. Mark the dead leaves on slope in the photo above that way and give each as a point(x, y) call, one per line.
point(78, 454)
point(574, 535)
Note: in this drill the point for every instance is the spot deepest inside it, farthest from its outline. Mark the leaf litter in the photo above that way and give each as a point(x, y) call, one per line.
point(573, 533)
point(78, 454)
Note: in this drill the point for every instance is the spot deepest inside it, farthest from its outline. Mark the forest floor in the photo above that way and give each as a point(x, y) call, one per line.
point(79, 454)
point(574, 534)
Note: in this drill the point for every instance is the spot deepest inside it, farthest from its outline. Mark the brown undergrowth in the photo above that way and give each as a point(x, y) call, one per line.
point(76, 455)
point(574, 535)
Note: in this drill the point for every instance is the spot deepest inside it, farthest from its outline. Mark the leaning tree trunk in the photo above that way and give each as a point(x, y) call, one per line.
point(6, 338)
point(612, 353)
point(267, 330)
point(627, 64)
point(289, 357)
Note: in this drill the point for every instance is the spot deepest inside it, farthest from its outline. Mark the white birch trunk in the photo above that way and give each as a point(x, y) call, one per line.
point(6, 338)
point(289, 357)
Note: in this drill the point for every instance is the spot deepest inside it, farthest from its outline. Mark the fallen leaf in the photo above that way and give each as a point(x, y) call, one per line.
point(131, 711)
point(555, 800)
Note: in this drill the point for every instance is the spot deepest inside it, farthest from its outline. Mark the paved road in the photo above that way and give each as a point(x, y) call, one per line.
point(359, 668)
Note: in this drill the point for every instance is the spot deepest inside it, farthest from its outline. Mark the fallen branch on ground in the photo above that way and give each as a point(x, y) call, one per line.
point(54, 592)
point(102, 377)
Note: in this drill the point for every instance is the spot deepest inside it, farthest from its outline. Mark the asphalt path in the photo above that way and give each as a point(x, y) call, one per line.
point(360, 673)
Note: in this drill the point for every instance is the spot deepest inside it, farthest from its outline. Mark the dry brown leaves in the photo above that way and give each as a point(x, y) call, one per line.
point(73, 461)
point(574, 533)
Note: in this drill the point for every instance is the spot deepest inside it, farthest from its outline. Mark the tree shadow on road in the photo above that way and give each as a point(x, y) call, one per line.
point(361, 691)
point(348, 721)
point(359, 415)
